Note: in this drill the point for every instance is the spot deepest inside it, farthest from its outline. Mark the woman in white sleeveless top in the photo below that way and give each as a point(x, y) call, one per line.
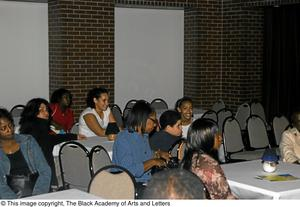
point(94, 120)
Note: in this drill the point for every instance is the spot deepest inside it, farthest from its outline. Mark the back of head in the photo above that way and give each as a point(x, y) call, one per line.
point(201, 140)
point(4, 114)
point(169, 117)
point(201, 135)
point(94, 93)
point(138, 115)
point(174, 184)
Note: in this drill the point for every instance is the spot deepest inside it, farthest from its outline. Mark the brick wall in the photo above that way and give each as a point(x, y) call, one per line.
point(223, 47)
point(242, 61)
point(81, 47)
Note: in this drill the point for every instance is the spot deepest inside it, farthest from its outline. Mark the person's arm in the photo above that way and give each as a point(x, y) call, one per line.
point(287, 148)
point(93, 125)
point(155, 162)
point(42, 184)
point(162, 155)
point(5, 191)
point(123, 155)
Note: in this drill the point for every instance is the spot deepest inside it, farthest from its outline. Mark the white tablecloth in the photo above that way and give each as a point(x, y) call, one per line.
point(242, 181)
point(90, 142)
point(65, 194)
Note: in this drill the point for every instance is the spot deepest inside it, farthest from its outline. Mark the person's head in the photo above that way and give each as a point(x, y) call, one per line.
point(97, 98)
point(142, 117)
point(185, 107)
point(204, 136)
point(170, 121)
point(61, 96)
point(6, 125)
point(174, 184)
point(295, 119)
point(35, 108)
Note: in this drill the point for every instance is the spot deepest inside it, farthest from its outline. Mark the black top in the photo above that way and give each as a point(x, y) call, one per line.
point(18, 164)
point(39, 129)
point(162, 140)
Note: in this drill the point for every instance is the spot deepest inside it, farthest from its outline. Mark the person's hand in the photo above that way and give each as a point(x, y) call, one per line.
point(81, 137)
point(164, 155)
point(111, 137)
point(160, 162)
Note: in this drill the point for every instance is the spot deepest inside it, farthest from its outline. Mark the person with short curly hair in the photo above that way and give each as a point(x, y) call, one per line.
point(97, 117)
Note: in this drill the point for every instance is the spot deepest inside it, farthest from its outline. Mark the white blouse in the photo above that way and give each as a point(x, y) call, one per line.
point(84, 129)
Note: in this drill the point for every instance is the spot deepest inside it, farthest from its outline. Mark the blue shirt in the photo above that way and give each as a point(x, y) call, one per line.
point(131, 150)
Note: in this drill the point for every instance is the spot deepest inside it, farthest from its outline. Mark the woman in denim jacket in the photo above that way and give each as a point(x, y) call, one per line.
point(10, 144)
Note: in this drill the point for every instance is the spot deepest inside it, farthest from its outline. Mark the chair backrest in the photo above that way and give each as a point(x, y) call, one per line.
point(222, 115)
point(258, 110)
point(74, 165)
point(218, 105)
point(17, 110)
point(75, 128)
point(242, 114)
point(279, 125)
point(232, 136)
point(116, 111)
point(130, 104)
point(126, 111)
point(99, 158)
point(210, 114)
point(113, 182)
point(257, 132)
point(174, 149)
point(159, 103)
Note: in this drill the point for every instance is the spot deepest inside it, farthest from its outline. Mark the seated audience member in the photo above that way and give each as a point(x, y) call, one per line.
point(174, 184)
point(131, 148)
point(290, 140)
point(171, 130)
point(97, 119)
point(185, 107)
point(62, 114)
point(35, 120)
point(203, 142)
point(23, 168)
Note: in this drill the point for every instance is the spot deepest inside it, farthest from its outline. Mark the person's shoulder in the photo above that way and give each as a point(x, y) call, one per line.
point(69, 110)
point(124, 134)
point(53, 105)
point(23, 137)
point(157, 135)
point(123, 137)
point(87, 111)
point(290, 132)
point(208, 160)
